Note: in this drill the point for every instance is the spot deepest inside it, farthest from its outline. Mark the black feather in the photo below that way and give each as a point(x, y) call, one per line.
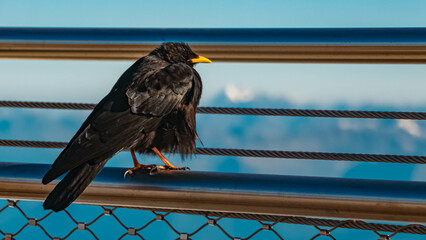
point(72, 186)
point(153, 104)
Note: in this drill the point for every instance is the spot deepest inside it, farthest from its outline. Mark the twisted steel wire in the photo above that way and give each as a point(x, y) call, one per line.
point(33, 144)
point(241, 111)
point(313, 113)
point(47, 105)
point(258, 153)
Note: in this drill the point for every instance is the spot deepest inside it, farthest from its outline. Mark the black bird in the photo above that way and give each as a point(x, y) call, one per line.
point(150, 109)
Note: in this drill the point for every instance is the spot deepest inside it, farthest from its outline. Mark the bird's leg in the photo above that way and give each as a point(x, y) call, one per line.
point(137, 164)
point(168, 165)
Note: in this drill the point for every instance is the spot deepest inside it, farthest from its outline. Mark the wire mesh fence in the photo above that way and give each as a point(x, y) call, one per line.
point(27, 220)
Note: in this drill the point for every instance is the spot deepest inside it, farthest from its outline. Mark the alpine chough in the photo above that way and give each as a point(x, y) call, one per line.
point(150, 109)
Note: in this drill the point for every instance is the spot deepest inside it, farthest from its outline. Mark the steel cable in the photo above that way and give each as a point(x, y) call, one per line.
point(258, 153)
point(241, 111)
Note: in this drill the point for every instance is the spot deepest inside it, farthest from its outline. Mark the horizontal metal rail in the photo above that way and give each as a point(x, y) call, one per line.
point(234, 193)
point(358, 45)
point(241, 111)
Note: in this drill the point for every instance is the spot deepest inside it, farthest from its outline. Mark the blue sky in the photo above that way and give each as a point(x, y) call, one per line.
point(300, 83)
point(380, 86)
point(221, 13)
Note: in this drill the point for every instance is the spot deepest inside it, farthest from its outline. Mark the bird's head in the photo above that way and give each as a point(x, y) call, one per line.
point(178, 53)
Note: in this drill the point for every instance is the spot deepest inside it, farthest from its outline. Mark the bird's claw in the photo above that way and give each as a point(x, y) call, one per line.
point(182, 168)
point(152, 169)
point(147, 168)
point(130, 172)
point(177, 168)
point(157, 168)
point(164, 167)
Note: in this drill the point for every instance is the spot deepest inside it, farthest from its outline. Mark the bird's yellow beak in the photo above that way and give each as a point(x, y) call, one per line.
point(201, 59)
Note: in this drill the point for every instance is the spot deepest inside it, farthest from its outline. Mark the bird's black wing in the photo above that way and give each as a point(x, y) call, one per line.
point(113, 101)
point(117, 120)
point(162, 91)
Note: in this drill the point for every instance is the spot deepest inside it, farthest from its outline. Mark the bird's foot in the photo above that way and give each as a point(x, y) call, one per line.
point(140, 167)
point(165, 167)
point(168, 166)
point(176, 168)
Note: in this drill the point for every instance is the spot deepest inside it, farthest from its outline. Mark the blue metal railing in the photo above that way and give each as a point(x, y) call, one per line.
point(234, 192)
point(237, 36)
point(303, 45)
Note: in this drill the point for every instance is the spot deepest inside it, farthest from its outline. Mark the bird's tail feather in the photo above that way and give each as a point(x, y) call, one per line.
point(72, 185)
